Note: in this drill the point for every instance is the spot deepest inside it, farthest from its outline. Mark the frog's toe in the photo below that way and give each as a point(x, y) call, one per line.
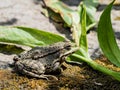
point(46, 77)
point(50, 77)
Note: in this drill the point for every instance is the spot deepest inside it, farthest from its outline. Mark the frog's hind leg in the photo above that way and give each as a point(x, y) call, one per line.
point(42, 76)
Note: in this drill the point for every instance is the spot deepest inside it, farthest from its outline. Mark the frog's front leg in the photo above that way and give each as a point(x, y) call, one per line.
point(57, 67)
point(63, 56)
point(70, 51)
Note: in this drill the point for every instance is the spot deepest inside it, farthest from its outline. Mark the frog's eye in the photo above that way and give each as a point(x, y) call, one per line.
point(19, 56)
point(68, 47)
point(16, 58)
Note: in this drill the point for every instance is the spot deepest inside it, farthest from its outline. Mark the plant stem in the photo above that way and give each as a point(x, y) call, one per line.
point(96, 66)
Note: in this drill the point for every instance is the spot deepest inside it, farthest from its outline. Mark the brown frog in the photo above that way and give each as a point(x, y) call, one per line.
point(41, 62)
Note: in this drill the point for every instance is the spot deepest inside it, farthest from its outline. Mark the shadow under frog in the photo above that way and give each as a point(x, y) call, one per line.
point(41, 62)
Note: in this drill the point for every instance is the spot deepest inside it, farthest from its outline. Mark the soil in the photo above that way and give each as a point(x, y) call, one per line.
point(74, 77)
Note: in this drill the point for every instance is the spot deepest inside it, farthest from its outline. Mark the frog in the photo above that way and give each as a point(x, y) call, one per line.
point(42, 61)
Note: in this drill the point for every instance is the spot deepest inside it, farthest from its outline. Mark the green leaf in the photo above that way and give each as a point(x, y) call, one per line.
point(68, 15)
point(83, 51)
point(90, 12)
point(10, 48)
point(106, 37)
point(83, 39)
point(27, 36)
point(52, 15)
point(90, 8)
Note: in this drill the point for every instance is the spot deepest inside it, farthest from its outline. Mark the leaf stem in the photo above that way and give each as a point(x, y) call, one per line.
point(96, 66)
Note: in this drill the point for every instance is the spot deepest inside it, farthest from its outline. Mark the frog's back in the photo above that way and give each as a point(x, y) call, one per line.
point(38, 52)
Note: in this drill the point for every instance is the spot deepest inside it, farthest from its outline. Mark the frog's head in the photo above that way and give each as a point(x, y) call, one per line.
point(19, 57)
point(67, 47)
point(16, 58)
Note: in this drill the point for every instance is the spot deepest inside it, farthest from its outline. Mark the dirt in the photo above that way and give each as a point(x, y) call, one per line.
point(28, 13)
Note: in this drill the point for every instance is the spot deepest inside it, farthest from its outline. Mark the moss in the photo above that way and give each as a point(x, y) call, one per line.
point(106, 63)
point(10, 80)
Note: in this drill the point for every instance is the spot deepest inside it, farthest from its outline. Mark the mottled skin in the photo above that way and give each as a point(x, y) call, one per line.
point(40, 62)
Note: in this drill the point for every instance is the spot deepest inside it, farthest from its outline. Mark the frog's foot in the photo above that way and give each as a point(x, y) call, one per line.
point(42, 76)
point(49, 77)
